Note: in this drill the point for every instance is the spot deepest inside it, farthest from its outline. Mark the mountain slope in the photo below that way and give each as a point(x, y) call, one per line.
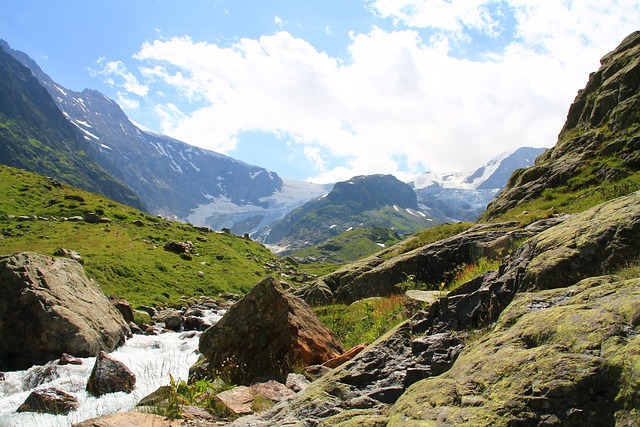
point(34, 135)
point(363, 201)
point(175, 179)
point(127, 255)
point(597, 156)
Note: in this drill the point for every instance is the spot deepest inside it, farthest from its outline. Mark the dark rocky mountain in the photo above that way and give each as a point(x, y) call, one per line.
point(463, 196)
point(362, 201)
point(36, 136)
point(598, 149)
point(172, 178)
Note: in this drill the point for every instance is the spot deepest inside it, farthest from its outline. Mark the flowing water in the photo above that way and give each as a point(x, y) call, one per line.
point(151, 358)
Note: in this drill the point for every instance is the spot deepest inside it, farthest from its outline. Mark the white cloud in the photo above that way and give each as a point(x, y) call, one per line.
point(277, 20)
point(449, 15)
point(117, 70)
point(398, 103)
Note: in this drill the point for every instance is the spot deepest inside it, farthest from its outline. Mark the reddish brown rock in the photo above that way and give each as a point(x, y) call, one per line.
point(272, 390)
point(344, 357)
point(123, 307)
point(110, 376)
point(130, 419)
point(67, 359)
point(265, 335)
point(49, 401)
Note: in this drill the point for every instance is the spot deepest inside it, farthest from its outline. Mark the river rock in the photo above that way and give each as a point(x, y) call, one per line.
point(171, 318)
point(123, 307)
point(49, 401)
point(266, 334)
point(50, 307)
point(110, 376)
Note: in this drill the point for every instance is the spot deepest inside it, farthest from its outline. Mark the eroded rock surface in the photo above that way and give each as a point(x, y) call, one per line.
point(50, 307)
point(565, 357)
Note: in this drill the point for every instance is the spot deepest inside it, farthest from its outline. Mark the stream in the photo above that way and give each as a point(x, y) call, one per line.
point(151, 358)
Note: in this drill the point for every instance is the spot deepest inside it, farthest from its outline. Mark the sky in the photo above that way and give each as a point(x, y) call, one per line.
point(324, 90)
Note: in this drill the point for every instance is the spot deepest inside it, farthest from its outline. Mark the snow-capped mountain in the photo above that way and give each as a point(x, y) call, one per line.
point(172, 178)
point(463, 196)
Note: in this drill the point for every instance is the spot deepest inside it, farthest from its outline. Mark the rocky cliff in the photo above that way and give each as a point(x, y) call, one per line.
point(598, 150)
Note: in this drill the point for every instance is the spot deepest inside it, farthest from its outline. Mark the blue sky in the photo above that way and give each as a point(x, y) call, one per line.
point(325, 90)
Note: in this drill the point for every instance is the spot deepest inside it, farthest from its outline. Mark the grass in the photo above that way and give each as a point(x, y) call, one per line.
point(465, 273)
point(428, 236)
point(349, 246)
point(364, 320)
point(629, 271)
point(127, 260)
point(202, 393)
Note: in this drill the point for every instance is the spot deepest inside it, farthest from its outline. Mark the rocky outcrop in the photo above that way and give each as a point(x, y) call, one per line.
point(266, 334)
point(362, 201)
point(565, 357)
point(594, 242)
point(110, 376)
point(600, 141)
point(430, 264)
point(50, 307)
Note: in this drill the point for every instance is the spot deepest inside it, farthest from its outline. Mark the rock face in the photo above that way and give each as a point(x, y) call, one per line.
point(110, 376)
point(600, 140)
point(375, 276)
point(558, 357)
point(266, 334)
point(50, 307)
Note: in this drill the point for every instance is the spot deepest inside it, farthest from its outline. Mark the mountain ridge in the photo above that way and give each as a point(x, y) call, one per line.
point(35, 135)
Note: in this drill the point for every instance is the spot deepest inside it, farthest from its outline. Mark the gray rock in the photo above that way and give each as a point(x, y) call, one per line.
point(171, 317)
point(50, 307)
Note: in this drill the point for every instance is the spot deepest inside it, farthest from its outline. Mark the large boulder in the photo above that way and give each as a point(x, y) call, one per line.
point(50, 307)
point(110, 376)
point(266, 334)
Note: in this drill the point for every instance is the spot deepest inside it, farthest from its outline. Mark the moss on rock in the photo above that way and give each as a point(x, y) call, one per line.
point(560, 357)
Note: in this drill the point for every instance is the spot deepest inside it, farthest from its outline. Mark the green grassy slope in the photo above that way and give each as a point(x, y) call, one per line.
point(127, 260)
